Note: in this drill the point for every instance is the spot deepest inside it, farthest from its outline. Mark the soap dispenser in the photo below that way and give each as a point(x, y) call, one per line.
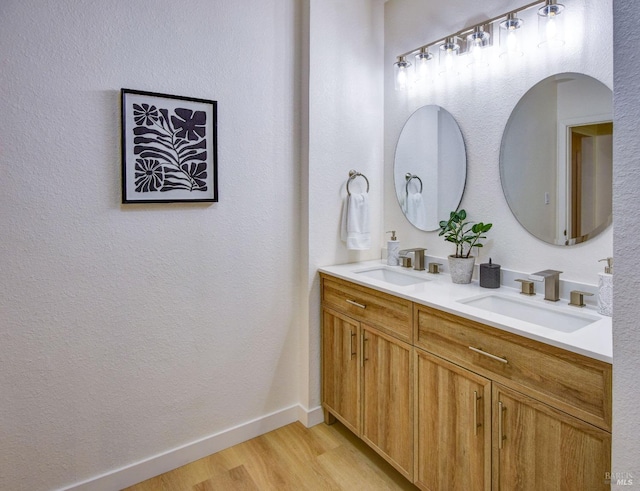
point(393, 249)
point(605, 288)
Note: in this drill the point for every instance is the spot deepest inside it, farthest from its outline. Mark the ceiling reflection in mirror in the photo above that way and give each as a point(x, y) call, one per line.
point(430, 167)
point(556, 159)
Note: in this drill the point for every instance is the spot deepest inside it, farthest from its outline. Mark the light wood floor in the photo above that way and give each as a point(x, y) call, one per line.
point(291, 458)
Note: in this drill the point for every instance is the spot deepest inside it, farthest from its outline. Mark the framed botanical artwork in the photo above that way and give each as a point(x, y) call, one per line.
point(169, 148)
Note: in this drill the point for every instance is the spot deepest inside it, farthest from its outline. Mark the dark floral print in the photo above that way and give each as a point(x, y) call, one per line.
point(171, 147)
point(149, 175)
point(190, 125)
point(198, 172)
point(145, 114)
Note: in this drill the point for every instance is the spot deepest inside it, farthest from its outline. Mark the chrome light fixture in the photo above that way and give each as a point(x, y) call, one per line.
point(422, 62)
point(478, 42)
point(448, 53)
point(401, 72)
point(475, 42)
point(551, 24)
point(510, 34)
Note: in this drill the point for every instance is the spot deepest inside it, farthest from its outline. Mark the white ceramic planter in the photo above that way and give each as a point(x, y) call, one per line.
point(461, 268)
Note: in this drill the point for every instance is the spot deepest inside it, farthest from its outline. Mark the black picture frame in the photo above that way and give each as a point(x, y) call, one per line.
point(169, 148)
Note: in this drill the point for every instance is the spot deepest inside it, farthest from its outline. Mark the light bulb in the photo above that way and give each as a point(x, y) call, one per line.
point(401, 75)
point(478, 46)
point(550, 24)
point(422, 70)
point(510, 36)
point(448, 54)
point(422, 65)
point(402, 78)
point(551, 31)
point(448, 59)
point(477, 50)
point(512, 41)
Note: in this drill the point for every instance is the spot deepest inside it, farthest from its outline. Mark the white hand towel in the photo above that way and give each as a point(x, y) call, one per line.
point(414, 210)
point(355, 222)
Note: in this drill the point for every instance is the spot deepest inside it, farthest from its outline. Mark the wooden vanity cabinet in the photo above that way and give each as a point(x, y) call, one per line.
point(341, 369)
point(537, 447)
point(458, 405)
point(573, 383)
point(387, 398)
point(550, 409)
point(389, 314)
point(367, 368)
point(452, 426)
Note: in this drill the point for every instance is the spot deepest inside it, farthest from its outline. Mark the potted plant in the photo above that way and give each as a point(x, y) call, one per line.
point(465, 235)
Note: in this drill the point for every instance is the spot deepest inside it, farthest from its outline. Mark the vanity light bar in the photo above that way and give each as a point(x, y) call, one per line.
point(479, 35)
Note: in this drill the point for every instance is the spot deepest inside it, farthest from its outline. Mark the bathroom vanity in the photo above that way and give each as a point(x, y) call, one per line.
point(460, 398)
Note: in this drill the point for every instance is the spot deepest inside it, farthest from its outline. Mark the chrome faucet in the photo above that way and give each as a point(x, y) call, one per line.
point(418, 260)
point(551, 279)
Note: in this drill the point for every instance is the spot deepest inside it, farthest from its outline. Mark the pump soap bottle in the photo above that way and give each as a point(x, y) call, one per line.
point(393, 249)
point(605, 288)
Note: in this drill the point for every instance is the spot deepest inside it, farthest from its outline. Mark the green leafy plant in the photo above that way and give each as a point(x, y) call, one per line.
point(463, 234)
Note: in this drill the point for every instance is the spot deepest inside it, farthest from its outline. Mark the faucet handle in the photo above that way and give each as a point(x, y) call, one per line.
point(546, 273)
point(577, 298)
point(526, 287)
point(434, 268)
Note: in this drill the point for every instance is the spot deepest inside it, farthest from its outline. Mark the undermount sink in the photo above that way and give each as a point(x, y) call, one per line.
point(525, 310)
point(388, 275)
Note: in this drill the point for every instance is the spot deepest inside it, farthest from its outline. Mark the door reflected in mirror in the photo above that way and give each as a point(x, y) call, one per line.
point(430, 167)
point(556, 159)
point(590, 177)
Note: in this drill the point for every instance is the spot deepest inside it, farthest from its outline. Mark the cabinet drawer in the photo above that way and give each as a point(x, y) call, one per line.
point(390, 314)
point(574, 383)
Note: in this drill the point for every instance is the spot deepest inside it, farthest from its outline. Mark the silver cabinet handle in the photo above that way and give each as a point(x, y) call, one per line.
point(363, 357)
point(356, 304)
point(351, 336)
point(475, 412)
point(500, 417)
point(364, 350)
point(493, 357)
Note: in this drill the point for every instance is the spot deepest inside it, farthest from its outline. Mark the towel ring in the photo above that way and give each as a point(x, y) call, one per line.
point(352, 175)
point(409, 177)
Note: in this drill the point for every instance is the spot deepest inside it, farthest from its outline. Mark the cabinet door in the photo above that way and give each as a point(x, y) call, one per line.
point(453, 426)
point(387, 422)
point(538, 447)
point(341, 368)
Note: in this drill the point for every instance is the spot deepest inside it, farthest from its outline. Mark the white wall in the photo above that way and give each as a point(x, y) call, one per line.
point(127, 331)
point(131, 330)
point(481, 102)
point(626, 196)
point(345, 132)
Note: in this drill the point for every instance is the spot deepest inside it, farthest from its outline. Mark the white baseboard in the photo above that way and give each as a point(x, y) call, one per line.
point(311, 417)
point(159, 464)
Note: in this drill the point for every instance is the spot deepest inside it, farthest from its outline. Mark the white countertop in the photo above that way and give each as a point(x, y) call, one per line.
point(594, 340)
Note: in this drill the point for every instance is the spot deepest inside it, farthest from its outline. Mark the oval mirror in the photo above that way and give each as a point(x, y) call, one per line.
point(556, 159)
point(430, 167)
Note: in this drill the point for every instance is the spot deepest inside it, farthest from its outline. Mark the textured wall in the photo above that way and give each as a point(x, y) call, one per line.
point(481, 102)
point(345, 132)
point(626, 192)
point(126, 331)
